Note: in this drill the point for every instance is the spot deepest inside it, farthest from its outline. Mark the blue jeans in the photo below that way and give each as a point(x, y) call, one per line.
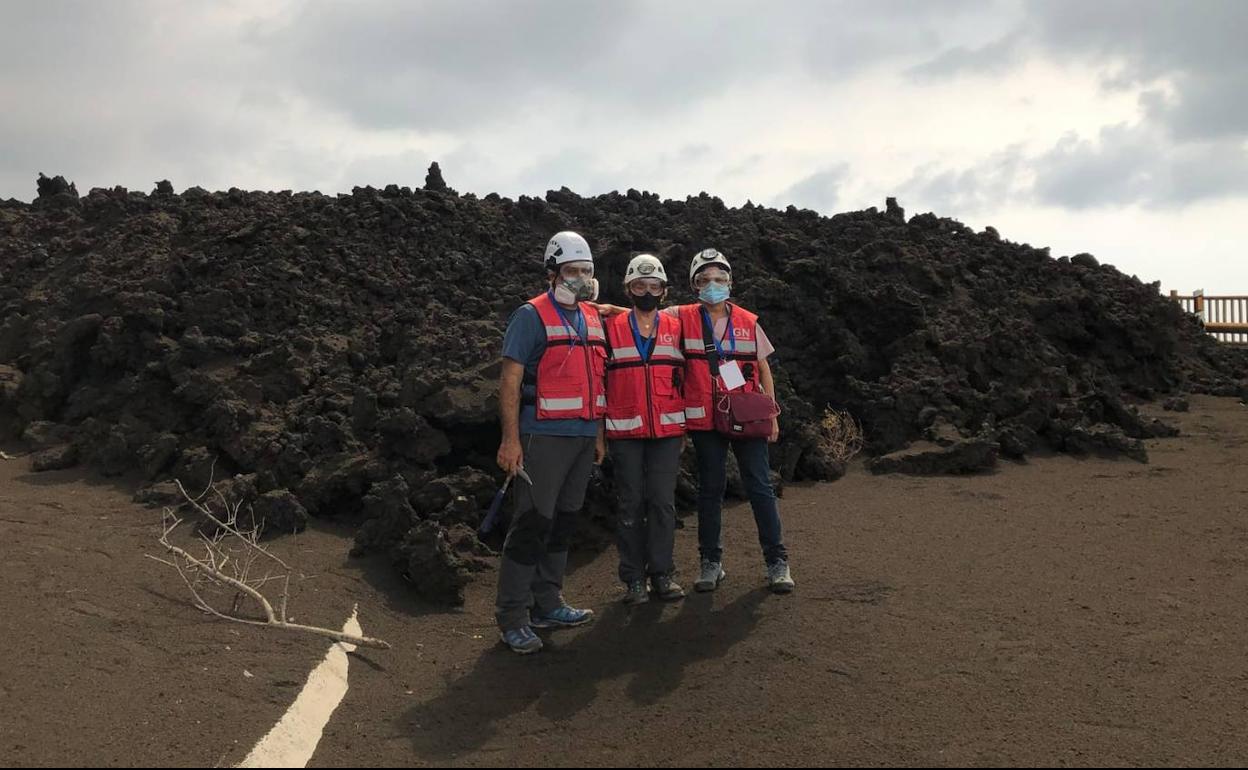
point(712, 451)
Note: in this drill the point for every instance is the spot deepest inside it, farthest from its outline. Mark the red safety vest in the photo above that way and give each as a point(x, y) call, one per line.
point(645, 399)
point(571, 377)
point(743, 348)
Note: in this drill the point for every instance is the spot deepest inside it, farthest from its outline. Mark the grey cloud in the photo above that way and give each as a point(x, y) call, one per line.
point(1208, 106)
point(439, 65)
point(585, 171)
point(962, 192)
point(850, 36)
point(1208, 171)
point(84, 40)
point(406, 169)
point(1125, 165)
point(1153, 37)
point(444, 66)
point(820, 191)
point(1148, 38)
point(693, 153)
point(135, 89)
point(1191, 60)
point(739, 167)
point(1198, 47)
point(1133, 164)
point(995, 58)
point(1080, 174)
point(190, 146)
point(125, 93)
point(575, 168)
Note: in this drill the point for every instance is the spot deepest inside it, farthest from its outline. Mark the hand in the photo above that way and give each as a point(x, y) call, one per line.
point(600, 451)
point(775, 432)
point(510, 456)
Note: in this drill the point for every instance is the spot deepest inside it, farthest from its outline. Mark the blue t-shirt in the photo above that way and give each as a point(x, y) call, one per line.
point(525, 342)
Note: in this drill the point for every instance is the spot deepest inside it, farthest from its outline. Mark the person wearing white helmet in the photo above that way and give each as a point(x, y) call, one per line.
point(715, 328)
point(552, 401)
point(645, 427)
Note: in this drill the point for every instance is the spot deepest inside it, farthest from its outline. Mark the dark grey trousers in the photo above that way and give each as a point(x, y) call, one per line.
point(645, 484)
point(535, 554)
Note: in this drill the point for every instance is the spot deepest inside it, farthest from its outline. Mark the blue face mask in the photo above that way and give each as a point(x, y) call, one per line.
point(714, 293)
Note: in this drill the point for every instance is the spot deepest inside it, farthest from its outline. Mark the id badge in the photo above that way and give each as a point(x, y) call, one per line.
point(730, 371)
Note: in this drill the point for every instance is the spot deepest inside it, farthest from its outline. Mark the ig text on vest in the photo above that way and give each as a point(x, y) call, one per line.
point(571, 376)
point(742, 347)
point(645, 399)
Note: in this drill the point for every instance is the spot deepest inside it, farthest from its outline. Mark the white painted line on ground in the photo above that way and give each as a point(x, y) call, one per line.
point(293, 740)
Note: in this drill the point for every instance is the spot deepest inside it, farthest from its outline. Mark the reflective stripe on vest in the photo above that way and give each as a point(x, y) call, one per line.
point(628, 424)
point(562, 404)
point(672, 418)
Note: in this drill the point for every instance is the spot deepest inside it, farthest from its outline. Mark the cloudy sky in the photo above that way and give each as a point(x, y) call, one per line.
point(1118, 127)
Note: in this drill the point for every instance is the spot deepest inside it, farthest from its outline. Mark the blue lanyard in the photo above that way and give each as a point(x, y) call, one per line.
point(578, 335)
point(732, 340)
point(646, 348)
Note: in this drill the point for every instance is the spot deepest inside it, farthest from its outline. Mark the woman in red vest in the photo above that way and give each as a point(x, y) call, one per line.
point(714, 326)
point(645, 428)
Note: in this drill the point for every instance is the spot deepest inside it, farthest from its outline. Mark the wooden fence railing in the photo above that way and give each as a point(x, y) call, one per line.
point(1226, 318)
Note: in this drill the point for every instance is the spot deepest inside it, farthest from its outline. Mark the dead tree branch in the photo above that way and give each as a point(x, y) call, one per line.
point(231, 560)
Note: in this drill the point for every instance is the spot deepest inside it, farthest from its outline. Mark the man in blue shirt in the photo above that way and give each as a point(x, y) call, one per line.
point(551, 398)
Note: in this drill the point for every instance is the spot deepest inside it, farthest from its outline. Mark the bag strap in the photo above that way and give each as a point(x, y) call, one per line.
point(708, 341)
point(712, 358)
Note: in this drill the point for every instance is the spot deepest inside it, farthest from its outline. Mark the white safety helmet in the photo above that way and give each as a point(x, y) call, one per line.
point(644, 266)
point(565, 247)
point(705, 258)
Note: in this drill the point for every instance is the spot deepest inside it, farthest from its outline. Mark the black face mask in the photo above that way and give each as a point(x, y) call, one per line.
point(646, 302)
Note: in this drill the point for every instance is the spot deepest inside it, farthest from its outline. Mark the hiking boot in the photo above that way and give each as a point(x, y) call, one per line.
point(522, 641)
point(712, 575)
point(635, 593)
point(666, 589)
point(564, 617)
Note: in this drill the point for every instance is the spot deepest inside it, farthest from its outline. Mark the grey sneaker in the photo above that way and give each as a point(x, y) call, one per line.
point(712, 575)
point(666, 589)
point(636, 593)
point(778, 578)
